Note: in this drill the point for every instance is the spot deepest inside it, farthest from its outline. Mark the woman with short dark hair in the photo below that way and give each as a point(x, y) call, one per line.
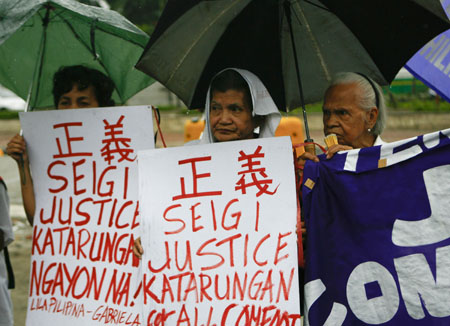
point(74, 87)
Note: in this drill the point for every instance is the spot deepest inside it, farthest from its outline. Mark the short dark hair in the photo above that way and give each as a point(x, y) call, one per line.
point(231, 79)
point(66, 77)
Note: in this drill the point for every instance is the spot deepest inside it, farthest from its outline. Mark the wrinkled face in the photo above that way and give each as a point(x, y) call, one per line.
point(231, 116)
point(343, 116)
point(78, 99)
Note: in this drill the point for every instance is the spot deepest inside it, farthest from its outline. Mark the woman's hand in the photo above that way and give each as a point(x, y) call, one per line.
point(336, 148)
point(137, 248)
point(301, 160)
point(17, 149)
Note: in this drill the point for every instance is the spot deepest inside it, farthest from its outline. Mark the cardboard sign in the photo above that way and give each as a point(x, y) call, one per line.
point(84, 168)
point(378, 222)
point(219, 234)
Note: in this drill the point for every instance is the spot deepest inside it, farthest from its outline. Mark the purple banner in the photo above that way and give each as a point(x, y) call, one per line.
point(432, 63)
point(378, 245)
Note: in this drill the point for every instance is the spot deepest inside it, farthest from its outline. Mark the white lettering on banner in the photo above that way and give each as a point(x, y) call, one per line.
point(432, 46)
point(417, 284)
point(351, 160)
point(377, 310)
point(444, 44)
point(436, 51)
point(417, 288)
point(436, 227)
point(387, 150)
point(337, 315)
point(447, 69)
point(431, 140)
point(313, 291)
point(438, 63)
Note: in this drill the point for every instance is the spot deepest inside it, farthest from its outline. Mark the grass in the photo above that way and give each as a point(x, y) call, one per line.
point(417, 103)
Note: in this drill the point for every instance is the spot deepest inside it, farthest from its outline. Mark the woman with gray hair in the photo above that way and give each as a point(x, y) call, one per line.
point(354, 110)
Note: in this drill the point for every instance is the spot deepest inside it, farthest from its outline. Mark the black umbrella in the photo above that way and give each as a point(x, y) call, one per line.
point(293, 46)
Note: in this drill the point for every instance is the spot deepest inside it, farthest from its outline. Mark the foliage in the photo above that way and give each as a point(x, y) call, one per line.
point(314, 107)
point(402, 95)
point(8, 115)
point(430, 104)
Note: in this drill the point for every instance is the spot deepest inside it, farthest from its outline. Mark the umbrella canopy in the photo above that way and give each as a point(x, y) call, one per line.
point(194, 39)
point(37, 37)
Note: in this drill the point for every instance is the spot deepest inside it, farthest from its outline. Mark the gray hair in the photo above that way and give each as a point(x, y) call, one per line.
point(368, 97)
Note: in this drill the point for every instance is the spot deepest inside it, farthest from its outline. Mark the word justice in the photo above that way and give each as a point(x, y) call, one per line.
point(237, 250)
point(108, 211)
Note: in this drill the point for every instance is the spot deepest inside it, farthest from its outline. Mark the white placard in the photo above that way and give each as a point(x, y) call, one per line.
point(84, 169)
point(219, 234)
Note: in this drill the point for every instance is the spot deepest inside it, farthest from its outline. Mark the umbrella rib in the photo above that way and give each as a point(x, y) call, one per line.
point(199, 37)
point(90, 50)
point(313, 39)
point(32, 100)
point(106, 31)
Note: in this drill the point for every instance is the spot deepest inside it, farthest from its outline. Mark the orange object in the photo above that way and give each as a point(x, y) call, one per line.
point(293, 127)
point(193, 129)
point(331, 140)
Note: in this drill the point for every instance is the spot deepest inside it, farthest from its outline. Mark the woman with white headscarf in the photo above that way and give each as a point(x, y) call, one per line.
point(238, 106)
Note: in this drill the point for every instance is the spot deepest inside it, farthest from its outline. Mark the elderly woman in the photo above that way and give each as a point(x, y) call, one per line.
point(238, 106)
point(354, 110)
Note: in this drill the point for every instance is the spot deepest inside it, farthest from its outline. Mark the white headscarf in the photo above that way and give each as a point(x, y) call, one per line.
point(263, 105)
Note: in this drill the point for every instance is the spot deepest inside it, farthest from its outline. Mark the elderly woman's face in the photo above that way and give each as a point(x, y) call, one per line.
point(230, 116)
point(343, 116)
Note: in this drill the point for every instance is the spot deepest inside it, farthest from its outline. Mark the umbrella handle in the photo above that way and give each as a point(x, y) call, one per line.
point(310, 148)
point(22, 163)
point(22, 170)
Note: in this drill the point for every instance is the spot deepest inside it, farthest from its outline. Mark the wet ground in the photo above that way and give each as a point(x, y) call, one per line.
point(172, 127)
